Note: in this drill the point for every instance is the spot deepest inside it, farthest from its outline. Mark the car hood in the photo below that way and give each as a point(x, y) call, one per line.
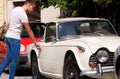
point(95, 43)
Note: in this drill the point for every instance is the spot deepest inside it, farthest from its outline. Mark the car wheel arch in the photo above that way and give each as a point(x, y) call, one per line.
point(33, 52)
point(68, 57)
point(71, 53)
point(68, 53)
point(38, 73)
point(74, 55)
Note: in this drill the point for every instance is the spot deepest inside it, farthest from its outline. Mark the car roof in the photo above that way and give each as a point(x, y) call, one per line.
point(76, 19)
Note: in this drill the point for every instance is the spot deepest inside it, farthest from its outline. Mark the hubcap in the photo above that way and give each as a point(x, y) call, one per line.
point(71, 75)
point(73, 71)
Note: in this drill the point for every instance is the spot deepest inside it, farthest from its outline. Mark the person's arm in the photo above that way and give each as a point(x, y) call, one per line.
point(2, 29)
point(31, 35)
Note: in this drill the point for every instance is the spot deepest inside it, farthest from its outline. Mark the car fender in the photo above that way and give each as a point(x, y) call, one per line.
point(81, 56)
point(31, 49)
point(37, 52)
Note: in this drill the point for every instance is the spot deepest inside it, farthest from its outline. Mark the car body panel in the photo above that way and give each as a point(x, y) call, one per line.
point(99, 42)
point(56, 47)
point(64, 46)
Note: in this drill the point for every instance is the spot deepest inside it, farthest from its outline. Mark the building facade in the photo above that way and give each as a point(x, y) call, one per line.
point(49, 14)
point(2, 11)
point(14, 3)
point(44, 15)
point(6, 7)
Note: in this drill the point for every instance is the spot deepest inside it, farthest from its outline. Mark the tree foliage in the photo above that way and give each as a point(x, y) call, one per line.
point(87, 8)
point(74, 3)
point(71, 7)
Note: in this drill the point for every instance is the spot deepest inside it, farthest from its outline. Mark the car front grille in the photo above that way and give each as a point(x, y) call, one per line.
point(108, 63)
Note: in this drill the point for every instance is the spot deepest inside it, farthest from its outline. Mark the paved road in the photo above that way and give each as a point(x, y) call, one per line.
point(26, 74)
point(20, 74)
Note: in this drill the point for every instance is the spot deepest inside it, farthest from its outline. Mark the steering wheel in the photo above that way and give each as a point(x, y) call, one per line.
point(98, 31)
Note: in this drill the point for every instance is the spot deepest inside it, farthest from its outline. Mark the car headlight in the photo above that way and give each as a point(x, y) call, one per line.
point(22, 48)
point(102, 56)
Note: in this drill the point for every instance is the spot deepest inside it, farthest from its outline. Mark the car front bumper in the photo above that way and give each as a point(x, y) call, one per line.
point(106, 73)
point(23, 62)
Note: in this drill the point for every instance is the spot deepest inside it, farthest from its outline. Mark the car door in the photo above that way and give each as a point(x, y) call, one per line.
point(49, 55)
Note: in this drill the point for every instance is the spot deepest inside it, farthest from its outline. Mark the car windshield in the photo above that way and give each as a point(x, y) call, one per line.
point(80, 28)
point(37, 28)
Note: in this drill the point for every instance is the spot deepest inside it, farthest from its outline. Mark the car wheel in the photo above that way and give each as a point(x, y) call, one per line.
point(119, 73)
point(71, 69)
point(35, 70)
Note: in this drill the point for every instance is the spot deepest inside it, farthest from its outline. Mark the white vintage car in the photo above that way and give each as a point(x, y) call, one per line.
point(73, 48)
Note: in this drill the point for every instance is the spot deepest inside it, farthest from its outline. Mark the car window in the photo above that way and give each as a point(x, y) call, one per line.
point(91, 27)
point(50, 32)
point(67, 29)
point(37, 28)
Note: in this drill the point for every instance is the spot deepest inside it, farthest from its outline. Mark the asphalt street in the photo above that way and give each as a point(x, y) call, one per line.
point(27, 74)
point(20, 74)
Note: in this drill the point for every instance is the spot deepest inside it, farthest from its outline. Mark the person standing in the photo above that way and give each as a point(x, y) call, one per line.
point(18, 18)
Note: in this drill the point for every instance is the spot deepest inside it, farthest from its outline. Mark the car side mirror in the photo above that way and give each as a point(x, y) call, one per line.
point(2, 38)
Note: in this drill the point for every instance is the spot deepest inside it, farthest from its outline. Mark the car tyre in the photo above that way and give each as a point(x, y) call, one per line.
point(119, 73)
point(35, 70)
point(71, 69)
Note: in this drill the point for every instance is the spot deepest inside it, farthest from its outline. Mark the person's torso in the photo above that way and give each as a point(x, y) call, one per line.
point(15, 26)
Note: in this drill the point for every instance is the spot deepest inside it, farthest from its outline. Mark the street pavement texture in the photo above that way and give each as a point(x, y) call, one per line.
point(6, 76)
point(22, 74)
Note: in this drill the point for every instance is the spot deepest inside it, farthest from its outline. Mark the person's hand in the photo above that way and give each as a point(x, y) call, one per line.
point(37, 46)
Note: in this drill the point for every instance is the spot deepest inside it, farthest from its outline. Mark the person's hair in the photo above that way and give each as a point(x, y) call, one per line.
point(30, 1)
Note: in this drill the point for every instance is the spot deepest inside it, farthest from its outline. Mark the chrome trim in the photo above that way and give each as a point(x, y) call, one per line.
point(99, 70)
point(95, 71)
